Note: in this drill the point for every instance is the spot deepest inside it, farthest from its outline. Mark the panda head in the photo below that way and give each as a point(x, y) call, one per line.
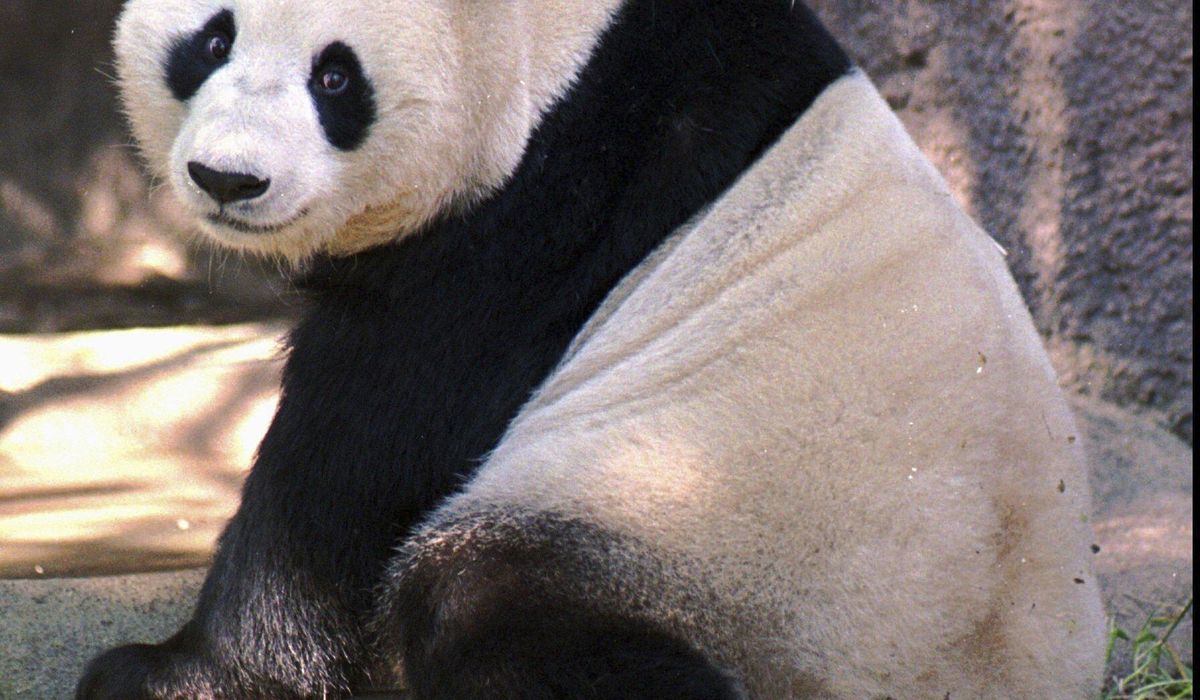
point(288, 128)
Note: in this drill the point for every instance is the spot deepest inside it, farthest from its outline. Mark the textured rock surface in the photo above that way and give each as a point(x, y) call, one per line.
point(1065, 126)
point(1142, 488)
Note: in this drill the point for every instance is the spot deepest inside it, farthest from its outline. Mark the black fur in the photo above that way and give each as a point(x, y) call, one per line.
point(414, 357)
point(346, 116)
point(225, 187)
point(189, 63)
point(125, 670)
point(504, 605)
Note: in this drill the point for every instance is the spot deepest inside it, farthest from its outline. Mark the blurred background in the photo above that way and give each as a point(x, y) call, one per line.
point(137, 371)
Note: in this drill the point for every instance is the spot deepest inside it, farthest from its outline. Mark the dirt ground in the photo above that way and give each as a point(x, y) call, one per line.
point(104, 470)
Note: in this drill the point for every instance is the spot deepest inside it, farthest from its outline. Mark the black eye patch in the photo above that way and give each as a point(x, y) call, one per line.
point(195, 57)
point(344, 97)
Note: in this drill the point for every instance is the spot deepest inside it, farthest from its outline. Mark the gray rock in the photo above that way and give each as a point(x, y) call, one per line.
point(1065, 126)
point(1142, 505)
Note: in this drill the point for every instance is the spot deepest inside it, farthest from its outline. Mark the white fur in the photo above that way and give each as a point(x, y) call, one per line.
point(847, 429)
point(459, 86)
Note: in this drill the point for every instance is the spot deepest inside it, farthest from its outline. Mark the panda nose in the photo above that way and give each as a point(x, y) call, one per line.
point(226, 187)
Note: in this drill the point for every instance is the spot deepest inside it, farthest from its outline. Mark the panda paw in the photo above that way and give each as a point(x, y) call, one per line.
point(124, 673)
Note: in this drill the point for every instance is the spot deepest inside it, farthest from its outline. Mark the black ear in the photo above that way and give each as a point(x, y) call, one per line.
point(195, 57)
point(343, 95)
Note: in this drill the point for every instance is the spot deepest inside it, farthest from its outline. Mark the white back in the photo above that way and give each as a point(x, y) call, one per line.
point(846, 429)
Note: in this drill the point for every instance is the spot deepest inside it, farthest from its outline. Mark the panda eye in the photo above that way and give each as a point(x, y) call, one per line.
point(194, 57)
point(342, 95)
point(217, 47)
point(333, 81)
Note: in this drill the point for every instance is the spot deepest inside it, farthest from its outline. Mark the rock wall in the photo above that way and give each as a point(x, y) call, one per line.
point(1065, 126)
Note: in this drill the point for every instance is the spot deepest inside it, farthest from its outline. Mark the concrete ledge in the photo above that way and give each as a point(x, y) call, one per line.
point(51, 628)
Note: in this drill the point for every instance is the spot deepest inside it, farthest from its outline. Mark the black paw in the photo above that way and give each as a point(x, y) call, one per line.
point(123, 673)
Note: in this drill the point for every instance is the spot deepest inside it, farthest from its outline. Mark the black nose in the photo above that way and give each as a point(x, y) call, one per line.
point(226, 187)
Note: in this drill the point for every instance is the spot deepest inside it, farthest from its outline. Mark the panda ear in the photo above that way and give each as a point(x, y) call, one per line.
point(195, 57)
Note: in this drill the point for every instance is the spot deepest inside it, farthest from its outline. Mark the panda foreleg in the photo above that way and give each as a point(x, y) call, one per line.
point(264, 627)
point(499, 614)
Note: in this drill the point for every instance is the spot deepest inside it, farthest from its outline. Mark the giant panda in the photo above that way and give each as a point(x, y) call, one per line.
point(645, 356)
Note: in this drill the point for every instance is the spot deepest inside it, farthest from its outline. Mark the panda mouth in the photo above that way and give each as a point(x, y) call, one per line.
point(227, 221)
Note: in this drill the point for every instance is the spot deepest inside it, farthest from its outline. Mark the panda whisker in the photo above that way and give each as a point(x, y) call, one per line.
point(111, 78)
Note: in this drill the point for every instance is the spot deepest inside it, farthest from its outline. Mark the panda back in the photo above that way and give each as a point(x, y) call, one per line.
point(821, 396)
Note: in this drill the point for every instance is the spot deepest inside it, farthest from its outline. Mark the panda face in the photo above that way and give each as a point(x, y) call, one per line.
point(288, 128)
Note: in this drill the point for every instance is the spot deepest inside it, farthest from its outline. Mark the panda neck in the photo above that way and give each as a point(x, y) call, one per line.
point(459, 323)
point(675, 102)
